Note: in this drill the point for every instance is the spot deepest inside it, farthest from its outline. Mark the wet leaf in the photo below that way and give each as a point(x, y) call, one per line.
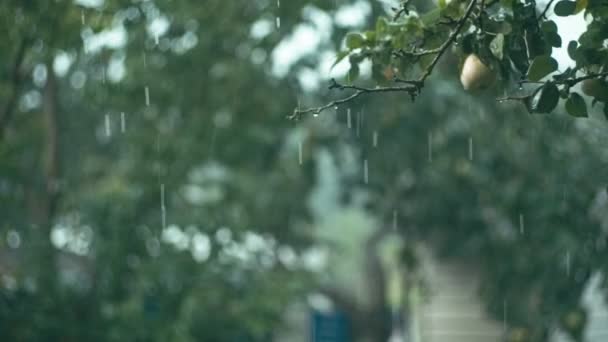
point(565, 8)
point(339, 57)
point(572, 49)
point(576, 106)
point(354, 40)
point(544, 100)
point(541, 67)
point(551, 35)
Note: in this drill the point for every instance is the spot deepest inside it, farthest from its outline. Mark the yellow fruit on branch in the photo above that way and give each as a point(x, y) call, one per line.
point(475, 75)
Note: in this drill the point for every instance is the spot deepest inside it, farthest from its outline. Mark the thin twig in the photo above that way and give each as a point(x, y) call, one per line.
point(414, 85)
point(413, 90)
point(401, 10)
point(569, 82)
point(544, 12)
point(513, 98)
point(449, 41)
point(422, 53)
point(573, 81)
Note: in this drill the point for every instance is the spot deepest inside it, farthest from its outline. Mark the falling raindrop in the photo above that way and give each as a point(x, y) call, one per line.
point(375, 139)
point(123, 122)
point(470, 148)
point(278, 22)
point(278, 3)
point(103, 75)
point(163, 210)
point(394, 219)
point(365, 172)
point(430, 146)
point(521, 223)
point(300, 152)
point(145, 60)
point(82, 17)
point(147, 91)
point(156, 39)
point(107, 124)
point(348, 119)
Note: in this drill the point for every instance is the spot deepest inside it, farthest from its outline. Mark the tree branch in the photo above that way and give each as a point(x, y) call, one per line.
point(571, 82)
point(403, 53)
point(568, 82)
point(544, 12)
point(412, 90)
point(414, 85)
point(449, 41)
point(401, 10)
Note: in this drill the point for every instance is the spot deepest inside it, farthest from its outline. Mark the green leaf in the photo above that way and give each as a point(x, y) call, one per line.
point(339, 57)
point(431, 17)
point(354, 40)
point(576, 106)
point(565, 8)
point(572, 49)
point(554, 39)
point(551, 35)
point(370, 36)
point(541, 67)
point(381, 26)
point(507, 4)
point(549, 26)
point(496, 45)
point(544, 99)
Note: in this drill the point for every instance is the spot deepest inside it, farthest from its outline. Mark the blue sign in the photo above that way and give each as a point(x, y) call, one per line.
point(329, 327)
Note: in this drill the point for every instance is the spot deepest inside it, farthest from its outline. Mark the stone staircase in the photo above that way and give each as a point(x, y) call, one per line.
point(452, 311)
